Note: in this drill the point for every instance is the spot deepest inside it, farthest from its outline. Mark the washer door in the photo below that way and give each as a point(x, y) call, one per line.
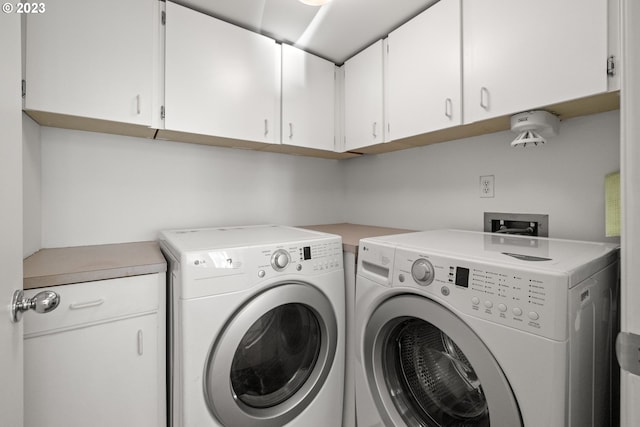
point(426, 367)
point(272, 358)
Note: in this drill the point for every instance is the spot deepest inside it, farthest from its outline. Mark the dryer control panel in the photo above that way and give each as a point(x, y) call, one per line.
point(523, 299)
point(243, 267)
point(302, 258)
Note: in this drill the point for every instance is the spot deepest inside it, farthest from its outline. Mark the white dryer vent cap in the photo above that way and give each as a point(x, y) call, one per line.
point(534, 127)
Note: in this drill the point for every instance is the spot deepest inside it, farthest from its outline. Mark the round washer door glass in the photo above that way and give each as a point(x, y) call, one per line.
point(429, 374)
point(272, 357)
point(276, 356)
point(427, 367)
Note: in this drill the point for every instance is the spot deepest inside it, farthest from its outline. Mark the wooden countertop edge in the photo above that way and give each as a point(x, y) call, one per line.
point(64, 266)
point(90, 276)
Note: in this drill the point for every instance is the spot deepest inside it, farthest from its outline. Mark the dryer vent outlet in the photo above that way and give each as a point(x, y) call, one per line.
point(512, 223)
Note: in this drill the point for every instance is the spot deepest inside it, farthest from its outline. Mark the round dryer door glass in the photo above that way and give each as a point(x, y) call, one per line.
point(430, 378)
point(276, 356)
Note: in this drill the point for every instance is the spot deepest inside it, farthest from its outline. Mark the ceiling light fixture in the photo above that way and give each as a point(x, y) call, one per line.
point(533, 127)
point(315, 2)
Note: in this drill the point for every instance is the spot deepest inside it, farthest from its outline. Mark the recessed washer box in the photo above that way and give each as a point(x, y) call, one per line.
point(517, 223)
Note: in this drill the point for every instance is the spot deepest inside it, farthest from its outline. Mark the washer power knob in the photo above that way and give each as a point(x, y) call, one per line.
point(280, 259)
point(422, 272)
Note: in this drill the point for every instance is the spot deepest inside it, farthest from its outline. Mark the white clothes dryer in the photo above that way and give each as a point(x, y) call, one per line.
point(256, 327)
point(460, 328)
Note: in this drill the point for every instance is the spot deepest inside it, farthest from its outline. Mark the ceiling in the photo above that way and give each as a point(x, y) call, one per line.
point(335, 31)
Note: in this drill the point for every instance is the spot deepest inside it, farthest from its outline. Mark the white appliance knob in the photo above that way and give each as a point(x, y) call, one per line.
point(280, 259)
point(422, 272)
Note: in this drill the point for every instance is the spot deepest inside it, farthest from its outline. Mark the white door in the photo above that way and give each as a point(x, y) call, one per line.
point(425, 72)
point(520, 54)
point(220, 79)
point(10, 219)
point(308, 99)
point(630, 174)
point(93, 59)
point(363, 98)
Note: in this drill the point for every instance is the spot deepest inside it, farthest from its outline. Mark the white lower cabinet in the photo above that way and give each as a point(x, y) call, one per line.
point(99, 358)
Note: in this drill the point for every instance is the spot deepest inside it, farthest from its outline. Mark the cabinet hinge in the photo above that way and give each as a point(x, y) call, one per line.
point(162, 112)
point(24, 88)
point(163, 18)
point(611, 65)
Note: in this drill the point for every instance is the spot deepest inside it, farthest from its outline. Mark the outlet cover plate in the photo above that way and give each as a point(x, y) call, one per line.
point(487, 186)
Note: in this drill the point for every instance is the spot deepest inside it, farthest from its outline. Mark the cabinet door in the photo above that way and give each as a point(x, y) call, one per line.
point(363, 98)
point(220, 79)
point(93, 59)
point(520, 55)
point(101, 375)
point(424, 77)
point(308, 99)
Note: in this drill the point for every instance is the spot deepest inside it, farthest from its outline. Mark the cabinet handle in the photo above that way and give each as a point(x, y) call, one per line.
point(290, 130)
point(448, 108)
point(484, 98)
point(140, 343)
point(375, 124)
point(266, 127)
point(138, 104)
point(79, 305)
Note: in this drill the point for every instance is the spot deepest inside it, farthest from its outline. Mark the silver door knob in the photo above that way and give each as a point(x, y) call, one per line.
point(42, 302)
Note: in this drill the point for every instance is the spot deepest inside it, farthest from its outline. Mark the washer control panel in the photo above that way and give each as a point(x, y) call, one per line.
point(302, 258)
point(523, 299)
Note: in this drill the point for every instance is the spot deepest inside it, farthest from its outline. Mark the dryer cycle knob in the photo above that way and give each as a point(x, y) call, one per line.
point(280, 259)
point(422, 272)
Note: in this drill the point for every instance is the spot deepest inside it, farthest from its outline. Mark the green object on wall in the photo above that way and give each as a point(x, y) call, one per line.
point(612, 204)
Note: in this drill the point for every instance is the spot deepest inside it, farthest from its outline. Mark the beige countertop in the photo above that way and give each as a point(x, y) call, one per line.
point(63, 266)
point(352, 233)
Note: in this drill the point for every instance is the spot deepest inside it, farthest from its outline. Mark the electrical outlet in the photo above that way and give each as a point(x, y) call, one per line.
point(486, 186)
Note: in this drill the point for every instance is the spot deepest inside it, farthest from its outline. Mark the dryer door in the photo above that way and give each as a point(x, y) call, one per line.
point(272, 358)
point(426, 367)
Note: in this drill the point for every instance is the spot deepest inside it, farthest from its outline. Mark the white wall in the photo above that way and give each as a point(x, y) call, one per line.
point(99, 188)
point(437, 186)
point(31, 184)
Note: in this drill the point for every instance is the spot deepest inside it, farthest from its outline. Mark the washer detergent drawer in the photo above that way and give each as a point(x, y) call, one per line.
point(94, 302)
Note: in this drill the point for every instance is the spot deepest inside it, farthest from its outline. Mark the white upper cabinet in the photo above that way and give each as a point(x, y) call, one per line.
point(308, 100)
point(94, 59)
point(220, 79)
point(424, 72)
point(363, 98)
point(520, 54)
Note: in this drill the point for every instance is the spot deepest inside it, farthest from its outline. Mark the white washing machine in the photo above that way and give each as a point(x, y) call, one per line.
point(256, 327)
point(460, 328)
